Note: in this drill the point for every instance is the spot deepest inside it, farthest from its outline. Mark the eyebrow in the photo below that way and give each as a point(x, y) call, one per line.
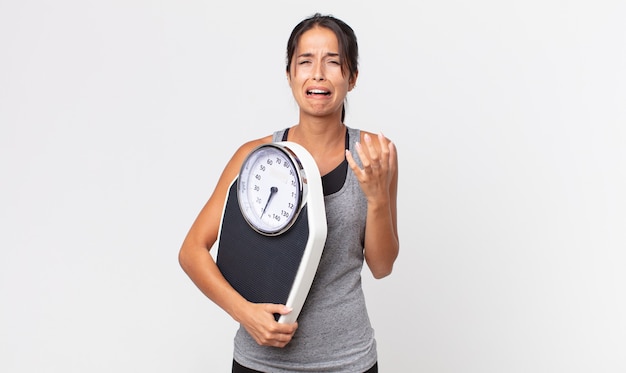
point(309, 54)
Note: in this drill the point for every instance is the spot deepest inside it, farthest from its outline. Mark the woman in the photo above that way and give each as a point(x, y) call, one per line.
point(359, 177)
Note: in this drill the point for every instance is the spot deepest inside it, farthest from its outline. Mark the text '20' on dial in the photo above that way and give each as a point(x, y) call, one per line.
point(270, 189)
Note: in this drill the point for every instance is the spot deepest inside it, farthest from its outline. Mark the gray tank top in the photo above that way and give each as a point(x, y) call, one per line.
point(334, 331)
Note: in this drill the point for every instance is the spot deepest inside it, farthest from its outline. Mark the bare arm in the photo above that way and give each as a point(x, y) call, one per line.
point(199, 265)
point(379, 181)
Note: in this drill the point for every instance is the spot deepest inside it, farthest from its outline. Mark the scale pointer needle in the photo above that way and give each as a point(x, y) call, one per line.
point(273, 191)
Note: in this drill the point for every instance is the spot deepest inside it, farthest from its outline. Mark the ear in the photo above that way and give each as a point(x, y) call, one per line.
point(352, 81)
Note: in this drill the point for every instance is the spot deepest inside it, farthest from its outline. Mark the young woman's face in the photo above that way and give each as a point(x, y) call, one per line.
point(316, 77)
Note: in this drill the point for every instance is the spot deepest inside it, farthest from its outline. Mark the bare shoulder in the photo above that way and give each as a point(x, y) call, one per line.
point(247, 147)
point(242, 152)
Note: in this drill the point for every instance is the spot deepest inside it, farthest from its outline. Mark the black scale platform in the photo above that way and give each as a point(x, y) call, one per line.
point(261, 268)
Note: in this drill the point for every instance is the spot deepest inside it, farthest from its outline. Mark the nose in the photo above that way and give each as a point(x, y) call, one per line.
point(318, 73)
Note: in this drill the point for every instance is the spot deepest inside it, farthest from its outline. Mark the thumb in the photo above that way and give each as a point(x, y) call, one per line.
point(280, 309)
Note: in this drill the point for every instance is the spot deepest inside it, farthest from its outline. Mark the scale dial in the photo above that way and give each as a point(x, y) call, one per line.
point(270, 189)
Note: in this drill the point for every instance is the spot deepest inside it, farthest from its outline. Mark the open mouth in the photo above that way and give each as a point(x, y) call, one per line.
point(317, 92)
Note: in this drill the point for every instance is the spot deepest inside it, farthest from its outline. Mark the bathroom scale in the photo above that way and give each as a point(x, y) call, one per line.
point(273, 227)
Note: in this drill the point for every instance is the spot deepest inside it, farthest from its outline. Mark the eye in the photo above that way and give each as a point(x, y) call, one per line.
point(304, 62)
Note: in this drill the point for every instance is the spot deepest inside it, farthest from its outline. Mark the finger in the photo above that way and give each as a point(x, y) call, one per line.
point(285, 331)
point(393, 156)
point(281, 340)
point(365, 160)
point(276, 308)
point(281, 309)
point(352, 162)
point(384, 148)
point(358, 172)
point(373, 152)
point(275, 339)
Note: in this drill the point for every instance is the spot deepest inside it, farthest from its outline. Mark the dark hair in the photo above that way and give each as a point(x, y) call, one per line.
point(346, 38)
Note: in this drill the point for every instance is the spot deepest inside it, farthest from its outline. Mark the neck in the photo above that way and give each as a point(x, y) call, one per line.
point(319, 138)
point(325, 143)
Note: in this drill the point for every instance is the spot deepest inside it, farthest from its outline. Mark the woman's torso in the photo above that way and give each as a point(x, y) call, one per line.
point(334, 332)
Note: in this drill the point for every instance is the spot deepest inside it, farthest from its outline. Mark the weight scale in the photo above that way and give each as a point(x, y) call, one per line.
point(273, 227)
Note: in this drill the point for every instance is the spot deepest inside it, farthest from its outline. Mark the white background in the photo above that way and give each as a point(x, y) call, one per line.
point(116, 118)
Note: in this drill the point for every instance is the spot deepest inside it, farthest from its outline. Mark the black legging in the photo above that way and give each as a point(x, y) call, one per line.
point(238, 368)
